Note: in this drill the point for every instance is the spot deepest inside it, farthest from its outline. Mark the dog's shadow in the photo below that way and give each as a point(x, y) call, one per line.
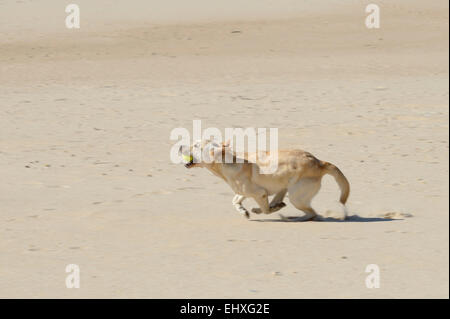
point(350, 219)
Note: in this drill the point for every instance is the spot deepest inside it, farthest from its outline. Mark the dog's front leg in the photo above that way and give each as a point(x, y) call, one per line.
point(277, 202)
point(263, 203)
point(237, 203)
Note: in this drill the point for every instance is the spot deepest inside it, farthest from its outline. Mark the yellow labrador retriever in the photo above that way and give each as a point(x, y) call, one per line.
point(298, 173)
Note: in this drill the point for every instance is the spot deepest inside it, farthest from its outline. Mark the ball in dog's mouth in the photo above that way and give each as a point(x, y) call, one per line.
point(189, 160)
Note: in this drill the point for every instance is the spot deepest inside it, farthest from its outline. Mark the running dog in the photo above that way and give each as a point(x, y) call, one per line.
point(298, 173)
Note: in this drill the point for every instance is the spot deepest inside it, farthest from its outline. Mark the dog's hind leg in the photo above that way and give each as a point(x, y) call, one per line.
point(277, 202)
point(237, 203)
point(300, 195)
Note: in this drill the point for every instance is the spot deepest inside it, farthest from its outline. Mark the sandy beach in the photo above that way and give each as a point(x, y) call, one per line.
point(86, 177)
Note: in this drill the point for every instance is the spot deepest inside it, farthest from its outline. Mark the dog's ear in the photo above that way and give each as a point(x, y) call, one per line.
point(226, 144)
point(214, 149)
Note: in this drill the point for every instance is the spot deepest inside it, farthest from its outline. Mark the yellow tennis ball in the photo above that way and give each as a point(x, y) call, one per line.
point(187, 158)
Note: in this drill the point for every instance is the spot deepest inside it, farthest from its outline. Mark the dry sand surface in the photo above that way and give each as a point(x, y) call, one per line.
point(86, 179)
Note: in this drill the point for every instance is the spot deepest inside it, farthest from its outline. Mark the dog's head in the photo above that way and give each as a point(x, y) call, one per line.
point(203, 153)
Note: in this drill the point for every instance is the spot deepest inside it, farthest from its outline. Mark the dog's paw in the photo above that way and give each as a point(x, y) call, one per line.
point(244, 212)
point(277, 207)
point(256, 210)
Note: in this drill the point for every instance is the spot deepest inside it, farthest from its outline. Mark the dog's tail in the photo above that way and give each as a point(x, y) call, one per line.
point(341, 180)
